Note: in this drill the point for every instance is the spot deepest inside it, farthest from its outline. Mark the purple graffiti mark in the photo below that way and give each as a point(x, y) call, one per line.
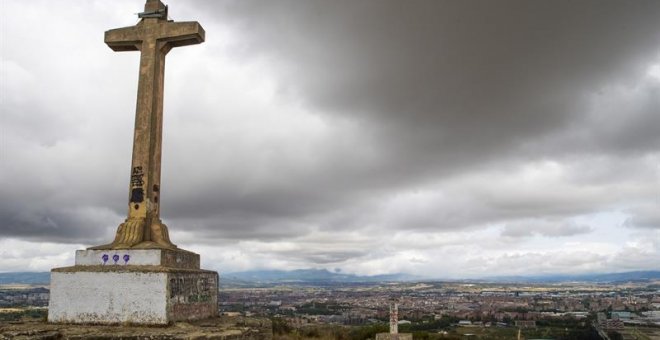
point(126, 258)
point(105, 258)
point(115, 258)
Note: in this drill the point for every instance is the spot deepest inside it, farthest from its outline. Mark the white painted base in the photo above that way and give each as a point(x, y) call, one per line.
point(108, 297)
point(131, 294)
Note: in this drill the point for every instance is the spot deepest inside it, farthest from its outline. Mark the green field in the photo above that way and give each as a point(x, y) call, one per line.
point(512, 333)
point(283, 331)
point(638, 333)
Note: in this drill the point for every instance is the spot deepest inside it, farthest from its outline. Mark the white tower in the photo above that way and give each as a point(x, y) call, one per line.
point(394, 325)
point(394, 317)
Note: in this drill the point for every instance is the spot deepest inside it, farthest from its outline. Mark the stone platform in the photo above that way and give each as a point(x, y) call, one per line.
point(138, 257)
point(222, 327)
point(132, 286)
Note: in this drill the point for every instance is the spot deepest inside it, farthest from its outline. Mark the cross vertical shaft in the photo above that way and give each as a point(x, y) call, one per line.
point(154, 36)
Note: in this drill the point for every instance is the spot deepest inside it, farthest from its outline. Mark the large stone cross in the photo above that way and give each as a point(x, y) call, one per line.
point(154, 36)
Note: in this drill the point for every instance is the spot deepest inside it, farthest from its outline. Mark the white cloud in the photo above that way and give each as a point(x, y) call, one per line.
point(381, 141)
point(19, 255)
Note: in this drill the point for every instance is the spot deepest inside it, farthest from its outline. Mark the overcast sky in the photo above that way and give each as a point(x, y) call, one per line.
point(440, 138)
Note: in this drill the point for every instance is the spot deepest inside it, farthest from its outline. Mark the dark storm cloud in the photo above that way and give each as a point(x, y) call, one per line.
point(432, 88)
point(231, 228)
point(445, 82)
point(416, 117)
point(61, 156)
point(318, 256)
point(56, 224)
point(436, 89)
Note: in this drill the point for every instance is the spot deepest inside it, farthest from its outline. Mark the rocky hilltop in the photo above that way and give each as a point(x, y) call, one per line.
point(223, 327)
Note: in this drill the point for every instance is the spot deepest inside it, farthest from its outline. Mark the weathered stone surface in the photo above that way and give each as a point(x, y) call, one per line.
point(213, 328)
point(172, 258)
point(131, 294)
point(154, 36)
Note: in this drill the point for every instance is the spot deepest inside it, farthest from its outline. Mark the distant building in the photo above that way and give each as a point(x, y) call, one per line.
point(525, 323)
point(621, 315)
point(231, 313)
point(609, 324)
point(613, 324)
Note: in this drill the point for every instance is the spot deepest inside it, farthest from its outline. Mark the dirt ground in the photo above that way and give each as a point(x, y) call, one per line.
point(217, 328)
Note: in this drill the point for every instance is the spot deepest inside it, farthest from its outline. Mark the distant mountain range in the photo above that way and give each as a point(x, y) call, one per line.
point(25, 278)
point(322, 276)
point(604, 278)
point(325, 276)
point(309, 276)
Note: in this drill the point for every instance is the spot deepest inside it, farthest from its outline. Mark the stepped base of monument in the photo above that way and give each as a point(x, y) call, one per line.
point(142, 287)
point(171, 258)
point(221, 327)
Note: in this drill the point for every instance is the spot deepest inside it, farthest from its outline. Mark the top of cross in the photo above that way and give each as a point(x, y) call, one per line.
point(154, 9)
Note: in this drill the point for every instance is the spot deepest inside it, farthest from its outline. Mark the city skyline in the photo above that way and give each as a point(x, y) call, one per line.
point(443, 139)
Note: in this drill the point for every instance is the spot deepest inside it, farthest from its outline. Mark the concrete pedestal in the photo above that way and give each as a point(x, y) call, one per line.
point(141, 286)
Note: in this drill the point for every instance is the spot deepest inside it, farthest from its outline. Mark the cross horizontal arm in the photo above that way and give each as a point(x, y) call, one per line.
point(123, 39)
point(182, 33)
